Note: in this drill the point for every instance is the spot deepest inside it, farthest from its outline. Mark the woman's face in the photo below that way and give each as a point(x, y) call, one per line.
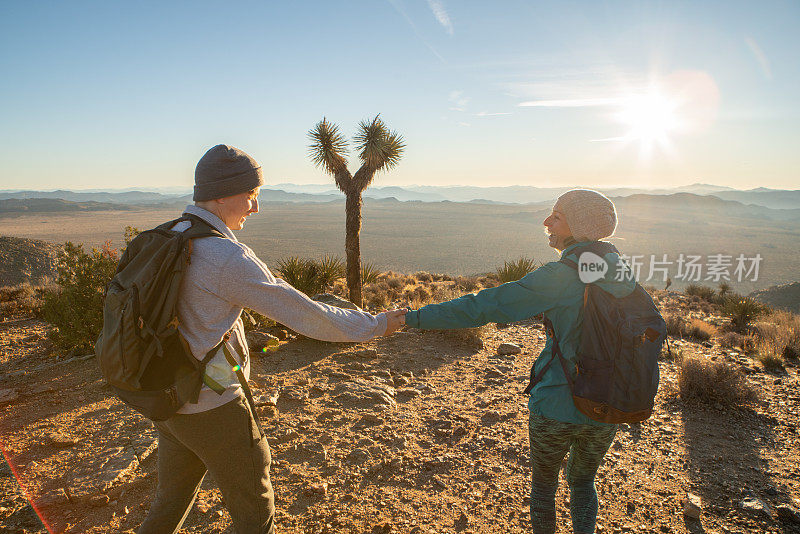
point(557, 230)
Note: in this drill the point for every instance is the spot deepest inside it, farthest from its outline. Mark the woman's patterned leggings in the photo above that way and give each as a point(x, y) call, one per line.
point(550, 442)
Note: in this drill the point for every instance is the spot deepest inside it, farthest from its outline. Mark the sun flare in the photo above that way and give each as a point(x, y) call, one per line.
point(651, 119)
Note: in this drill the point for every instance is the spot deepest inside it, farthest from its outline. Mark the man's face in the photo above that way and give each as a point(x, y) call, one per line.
point(557, 230)
point(235, 209)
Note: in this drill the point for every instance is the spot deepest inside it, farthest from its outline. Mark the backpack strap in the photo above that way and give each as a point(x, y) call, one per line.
point(555, 352)
point(237, 369)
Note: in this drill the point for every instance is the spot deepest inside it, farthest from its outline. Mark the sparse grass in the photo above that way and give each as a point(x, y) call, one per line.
point(777, 337)
point(516, 269)
point(704, 292)
point(713, 383)
point(741, 311)
point(734, 340)
point(695, 329)
point(22, 300)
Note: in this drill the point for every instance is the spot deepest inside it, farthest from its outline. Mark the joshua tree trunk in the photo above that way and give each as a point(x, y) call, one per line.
point(352, 247)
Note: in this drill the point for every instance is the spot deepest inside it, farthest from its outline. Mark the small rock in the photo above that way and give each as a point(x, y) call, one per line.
point(258, 341)
point(692, 506)
point(8, 395)
point(755, 506)
point(60, 441)
point(99, 500)
point(506, 349)
point(318, 489)
point(358, 456)
point(268, 398)
point(787, 513)
point(492, 416)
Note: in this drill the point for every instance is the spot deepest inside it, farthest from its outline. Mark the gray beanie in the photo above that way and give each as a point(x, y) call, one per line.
point(225, 171)
point(589, 214)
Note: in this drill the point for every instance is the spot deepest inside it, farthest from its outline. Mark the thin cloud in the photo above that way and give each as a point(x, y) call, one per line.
point(487, 114)
point(458, 100)
point(760, 56)
point(441, 15)
point(465, 124)
point(572, 103)
point(608, 140)
point(398, 6)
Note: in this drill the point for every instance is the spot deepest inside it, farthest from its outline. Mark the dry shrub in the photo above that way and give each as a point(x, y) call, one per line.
point(396, 282)
point(377, 300)
point(704, 292)
point(695, 329)
point(423, 276)
point(735, 340)
point(22, 299)
point(467, 283)
point(713, 383)
point(777, 338)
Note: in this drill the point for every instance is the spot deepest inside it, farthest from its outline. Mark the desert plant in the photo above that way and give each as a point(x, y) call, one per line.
point(379, 149)
point(741, 311)
point(704, 292)
point(21, 299)
point(369, 273)
point(694, 329)
point(75, 308)
point(300, 273)
point(723, 288)
point(516, 269)
point(713, 383)
point(330, 269)
point(735, 340)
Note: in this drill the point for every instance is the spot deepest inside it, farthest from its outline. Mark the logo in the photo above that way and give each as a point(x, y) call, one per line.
point(591, 267)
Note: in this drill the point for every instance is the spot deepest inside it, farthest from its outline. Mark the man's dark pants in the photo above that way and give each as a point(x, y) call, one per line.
point(226, 442)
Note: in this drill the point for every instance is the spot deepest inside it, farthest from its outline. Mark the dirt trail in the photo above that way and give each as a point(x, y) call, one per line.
point(420, 432)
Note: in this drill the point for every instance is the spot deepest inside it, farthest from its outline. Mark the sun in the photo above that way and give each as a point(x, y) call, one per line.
point(651, 119)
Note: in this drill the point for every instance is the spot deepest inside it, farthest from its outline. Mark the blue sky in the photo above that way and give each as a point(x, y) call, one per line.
point(116, 95)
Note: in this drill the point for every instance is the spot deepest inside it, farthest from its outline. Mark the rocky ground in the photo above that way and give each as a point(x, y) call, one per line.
point(420, 432)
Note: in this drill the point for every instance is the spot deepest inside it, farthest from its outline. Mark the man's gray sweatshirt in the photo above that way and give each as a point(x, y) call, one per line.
point(225, 276)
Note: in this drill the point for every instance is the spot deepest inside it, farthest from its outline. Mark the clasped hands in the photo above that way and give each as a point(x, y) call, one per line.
point(394, 320)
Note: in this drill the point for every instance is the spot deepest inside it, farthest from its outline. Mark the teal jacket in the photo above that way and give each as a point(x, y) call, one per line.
point(553, 289)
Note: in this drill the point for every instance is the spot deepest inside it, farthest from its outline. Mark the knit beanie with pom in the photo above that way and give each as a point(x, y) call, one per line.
point(589, 214)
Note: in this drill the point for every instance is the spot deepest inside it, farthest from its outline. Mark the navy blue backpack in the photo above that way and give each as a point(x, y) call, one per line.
point(616, 376)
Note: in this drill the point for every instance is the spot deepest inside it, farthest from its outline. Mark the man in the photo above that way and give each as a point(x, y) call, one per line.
point(219, 433)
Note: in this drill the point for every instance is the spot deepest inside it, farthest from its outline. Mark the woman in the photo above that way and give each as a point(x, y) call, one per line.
point(554, 289)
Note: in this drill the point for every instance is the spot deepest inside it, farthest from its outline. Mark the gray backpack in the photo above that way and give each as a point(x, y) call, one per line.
point(142, 355)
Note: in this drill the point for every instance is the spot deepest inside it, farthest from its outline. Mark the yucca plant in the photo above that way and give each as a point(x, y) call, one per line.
point(514, 270)
point(379, 149)
point(330, 268)
point(742, 310)
point(300, 273)
point(369, 273)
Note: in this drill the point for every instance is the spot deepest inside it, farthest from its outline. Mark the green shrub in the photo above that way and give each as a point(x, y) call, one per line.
point(369, 273)
point(742, 310)
point(302, 274)
point(704, 292)
point(514, 270)
point(75, 308)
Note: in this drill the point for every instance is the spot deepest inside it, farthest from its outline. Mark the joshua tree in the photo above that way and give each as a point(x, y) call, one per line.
point(379, 149)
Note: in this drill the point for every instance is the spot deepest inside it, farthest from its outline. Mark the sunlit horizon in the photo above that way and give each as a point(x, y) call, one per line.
point(638, 94)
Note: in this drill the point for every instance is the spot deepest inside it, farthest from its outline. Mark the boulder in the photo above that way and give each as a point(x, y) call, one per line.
point(692, 506)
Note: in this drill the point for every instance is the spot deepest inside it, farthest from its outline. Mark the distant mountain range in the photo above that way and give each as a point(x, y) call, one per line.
point(287, 192)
